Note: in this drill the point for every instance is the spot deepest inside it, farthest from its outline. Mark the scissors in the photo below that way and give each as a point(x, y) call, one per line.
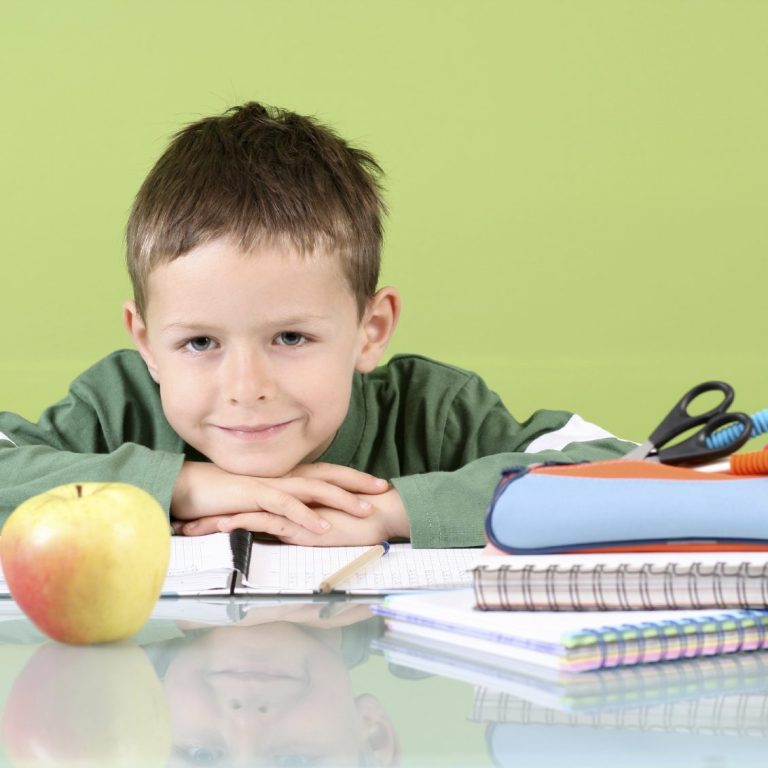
point(695, 449)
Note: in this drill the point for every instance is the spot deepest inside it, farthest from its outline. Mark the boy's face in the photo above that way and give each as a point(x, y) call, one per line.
point(255, 353)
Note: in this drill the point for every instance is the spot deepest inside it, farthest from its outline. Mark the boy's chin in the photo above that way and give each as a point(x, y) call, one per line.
point(262, 467)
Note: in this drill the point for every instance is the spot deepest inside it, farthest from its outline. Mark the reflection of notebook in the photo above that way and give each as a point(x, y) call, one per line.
point(574, 642)
point(520, 745)
point(506, 681)
point(736, 714)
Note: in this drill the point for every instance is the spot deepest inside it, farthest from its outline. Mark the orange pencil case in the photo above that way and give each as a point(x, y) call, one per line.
point(626, 506)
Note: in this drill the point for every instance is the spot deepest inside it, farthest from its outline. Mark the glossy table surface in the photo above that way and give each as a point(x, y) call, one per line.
point(306, 684)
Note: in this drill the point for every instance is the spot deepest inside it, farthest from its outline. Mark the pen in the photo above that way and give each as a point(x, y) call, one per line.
point(329, 583)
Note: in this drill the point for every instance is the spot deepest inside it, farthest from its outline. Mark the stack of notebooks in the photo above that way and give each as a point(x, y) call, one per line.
point(576, 641)
point(585, 612)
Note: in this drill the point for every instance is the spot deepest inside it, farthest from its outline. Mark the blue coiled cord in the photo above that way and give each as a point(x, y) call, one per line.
point(724, 437)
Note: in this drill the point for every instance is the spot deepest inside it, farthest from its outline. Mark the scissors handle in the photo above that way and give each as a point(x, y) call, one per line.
point(696, 449)
point(680, 420)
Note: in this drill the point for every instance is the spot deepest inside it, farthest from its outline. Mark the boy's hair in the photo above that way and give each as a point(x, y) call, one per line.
point(259, 175)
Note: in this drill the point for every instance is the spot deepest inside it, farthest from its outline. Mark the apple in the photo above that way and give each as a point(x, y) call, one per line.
point(89, 707)
point(86, 561)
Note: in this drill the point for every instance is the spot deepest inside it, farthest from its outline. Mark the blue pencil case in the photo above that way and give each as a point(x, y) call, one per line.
point(626, 506)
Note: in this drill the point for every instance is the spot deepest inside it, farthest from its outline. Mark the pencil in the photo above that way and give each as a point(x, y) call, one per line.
point(329, 583)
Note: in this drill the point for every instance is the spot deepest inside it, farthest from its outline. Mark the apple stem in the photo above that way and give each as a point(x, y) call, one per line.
point(79, 491)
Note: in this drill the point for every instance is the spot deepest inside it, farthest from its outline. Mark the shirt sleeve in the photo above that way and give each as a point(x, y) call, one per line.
point(97, 433)
point(447, 508)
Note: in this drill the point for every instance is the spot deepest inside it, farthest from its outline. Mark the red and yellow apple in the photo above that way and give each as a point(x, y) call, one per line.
point(86, 561)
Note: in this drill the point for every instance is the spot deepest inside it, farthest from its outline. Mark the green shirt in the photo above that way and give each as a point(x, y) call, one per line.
point(436, 431)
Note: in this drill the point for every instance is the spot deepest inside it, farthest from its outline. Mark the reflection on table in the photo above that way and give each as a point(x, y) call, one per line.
point(287, 683)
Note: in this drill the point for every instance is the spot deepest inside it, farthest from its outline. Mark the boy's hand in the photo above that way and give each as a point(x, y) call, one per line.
point(387, 520)
point(279, 506)
point(349, 479)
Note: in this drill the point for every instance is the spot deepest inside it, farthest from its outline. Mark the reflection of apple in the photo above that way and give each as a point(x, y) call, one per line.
point(86, 561)
point(87, 706)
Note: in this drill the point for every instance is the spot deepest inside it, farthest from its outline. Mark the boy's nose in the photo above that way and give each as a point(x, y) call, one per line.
point(248, 378)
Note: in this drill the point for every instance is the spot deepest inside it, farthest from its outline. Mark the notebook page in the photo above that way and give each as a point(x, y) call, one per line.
point(198, 563)
point(289, 569)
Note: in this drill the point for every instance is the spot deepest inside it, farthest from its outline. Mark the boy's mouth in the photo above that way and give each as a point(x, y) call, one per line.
point(255, 432)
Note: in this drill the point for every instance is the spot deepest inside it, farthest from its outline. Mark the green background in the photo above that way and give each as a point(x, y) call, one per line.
point(578, 188)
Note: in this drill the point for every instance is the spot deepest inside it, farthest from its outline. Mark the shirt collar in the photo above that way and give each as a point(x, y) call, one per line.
point(347, 439)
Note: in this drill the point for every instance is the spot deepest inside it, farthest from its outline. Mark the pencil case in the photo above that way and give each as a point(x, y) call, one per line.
point(626, 506)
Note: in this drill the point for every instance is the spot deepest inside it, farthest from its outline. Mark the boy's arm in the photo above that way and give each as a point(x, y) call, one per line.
point(287, 507)
point(26, 471)
point(386, 520)
point(109, 428)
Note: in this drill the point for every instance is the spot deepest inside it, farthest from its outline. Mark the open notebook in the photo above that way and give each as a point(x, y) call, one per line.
point(236, 564)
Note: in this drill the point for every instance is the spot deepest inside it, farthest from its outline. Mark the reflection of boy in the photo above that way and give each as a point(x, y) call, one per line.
point(255, 401)
point(277, 693)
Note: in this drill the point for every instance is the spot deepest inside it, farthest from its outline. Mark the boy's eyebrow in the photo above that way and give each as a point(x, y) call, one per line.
point(288, 320)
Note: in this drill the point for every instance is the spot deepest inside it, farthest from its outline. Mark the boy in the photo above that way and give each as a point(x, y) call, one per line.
point(254, 399)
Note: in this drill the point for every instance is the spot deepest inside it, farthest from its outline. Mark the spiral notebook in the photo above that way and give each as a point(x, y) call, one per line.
point(614, 582)
point(575, 641)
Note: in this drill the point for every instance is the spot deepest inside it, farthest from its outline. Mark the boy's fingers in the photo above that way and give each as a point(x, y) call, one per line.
point(261, 522)
point(201, 527)
point(344, 477)
point(283, 504)
point(319, 492)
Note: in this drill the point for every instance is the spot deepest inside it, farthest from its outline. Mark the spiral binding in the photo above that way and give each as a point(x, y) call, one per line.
point(691, 637)
point(648, 586)
point(723, 437)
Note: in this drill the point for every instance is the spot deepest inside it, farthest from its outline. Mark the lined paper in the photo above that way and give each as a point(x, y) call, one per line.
point(286, 569)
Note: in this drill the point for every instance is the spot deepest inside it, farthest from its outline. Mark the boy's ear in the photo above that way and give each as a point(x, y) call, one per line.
point(381, 745)
point(134, 323)
point(376, 328)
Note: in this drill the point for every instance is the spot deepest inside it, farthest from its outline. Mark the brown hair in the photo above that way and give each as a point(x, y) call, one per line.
point(259, 175)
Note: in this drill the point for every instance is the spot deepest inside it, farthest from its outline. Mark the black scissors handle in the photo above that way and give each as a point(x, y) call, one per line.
point(680, 420)
point(696, 450)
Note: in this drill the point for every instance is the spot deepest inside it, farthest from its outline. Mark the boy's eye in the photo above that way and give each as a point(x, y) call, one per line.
point(202, 755)
point(199, 344)
point(290, 339)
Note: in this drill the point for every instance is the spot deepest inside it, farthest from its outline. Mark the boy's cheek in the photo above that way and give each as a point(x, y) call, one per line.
point(182, 399)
